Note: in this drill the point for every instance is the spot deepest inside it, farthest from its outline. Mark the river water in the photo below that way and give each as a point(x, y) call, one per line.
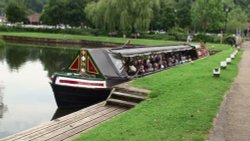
point(26, 98)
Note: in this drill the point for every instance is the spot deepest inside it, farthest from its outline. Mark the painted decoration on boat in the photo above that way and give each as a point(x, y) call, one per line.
point(91, 67)
point(76, 64)
point(83, 62)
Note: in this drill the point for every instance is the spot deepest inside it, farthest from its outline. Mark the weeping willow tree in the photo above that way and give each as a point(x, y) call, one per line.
point(122, 15)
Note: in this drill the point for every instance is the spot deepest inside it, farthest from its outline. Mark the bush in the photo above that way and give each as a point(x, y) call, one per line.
point(155, 36)
point(176, 37)
point(207, 38)
point(202, 37)
point(229, 39)
point(176, 31)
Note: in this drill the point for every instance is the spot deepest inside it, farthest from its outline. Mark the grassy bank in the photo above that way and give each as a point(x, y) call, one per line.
point(89, 38)
point(182, 105)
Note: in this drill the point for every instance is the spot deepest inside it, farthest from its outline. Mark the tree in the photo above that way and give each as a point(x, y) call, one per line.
point(74, 12)
point(237, 19)
point(122, 15)
point(242, 3)
point(165, 16)
point(54, 12)
point(208, 15)
point(67, 12)
point(2, 7)
point(32, 5)
point(35, 5)
point(183, 13)
point(16, 11)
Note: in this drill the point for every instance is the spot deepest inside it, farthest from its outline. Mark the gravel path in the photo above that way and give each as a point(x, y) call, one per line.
point(233, 120)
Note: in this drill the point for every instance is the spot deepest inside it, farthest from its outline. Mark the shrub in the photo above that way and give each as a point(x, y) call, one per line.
point(155, 36)
point(177, 31)
point(229, 39)
point(207, 38)
point(176, 37)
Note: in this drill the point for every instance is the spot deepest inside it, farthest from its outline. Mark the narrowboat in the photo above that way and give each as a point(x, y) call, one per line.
point(89, 78)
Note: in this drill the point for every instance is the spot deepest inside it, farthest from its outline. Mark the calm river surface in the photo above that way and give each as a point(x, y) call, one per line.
point(25, 93)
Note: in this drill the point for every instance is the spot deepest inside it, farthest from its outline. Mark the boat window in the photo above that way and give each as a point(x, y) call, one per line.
point(117, 62)
point(141, 65)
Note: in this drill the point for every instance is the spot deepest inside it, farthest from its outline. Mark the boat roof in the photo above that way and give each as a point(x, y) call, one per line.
point(110, 66)
point(103, 60)
point(147, 50)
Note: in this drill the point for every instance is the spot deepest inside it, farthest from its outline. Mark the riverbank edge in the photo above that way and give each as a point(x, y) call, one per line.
point(104, 39)
point(57, 42)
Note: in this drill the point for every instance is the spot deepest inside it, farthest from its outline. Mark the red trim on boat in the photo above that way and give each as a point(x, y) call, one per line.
point(81, 83)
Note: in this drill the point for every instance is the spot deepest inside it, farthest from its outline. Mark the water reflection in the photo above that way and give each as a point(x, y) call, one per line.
point(62, 112)
point(65, 111)
point(53, 59)
point(16, 57)
point(3, 108)
point(1, 53)
point(26, 95)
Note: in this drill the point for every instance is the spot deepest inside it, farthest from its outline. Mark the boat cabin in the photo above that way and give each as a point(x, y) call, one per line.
point(127, 62)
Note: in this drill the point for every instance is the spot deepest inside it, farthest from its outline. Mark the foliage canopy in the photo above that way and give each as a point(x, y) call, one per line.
point(122, 15)
point(128, 16)
point(16, 11)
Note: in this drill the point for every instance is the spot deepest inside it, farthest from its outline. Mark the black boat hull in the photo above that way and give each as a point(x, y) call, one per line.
point(67, 96)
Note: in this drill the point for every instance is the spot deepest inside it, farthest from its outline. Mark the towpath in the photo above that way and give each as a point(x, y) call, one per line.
point(233, 120)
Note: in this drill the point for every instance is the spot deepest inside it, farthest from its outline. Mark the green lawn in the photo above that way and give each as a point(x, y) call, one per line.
point(181, 107)
point(90, 38)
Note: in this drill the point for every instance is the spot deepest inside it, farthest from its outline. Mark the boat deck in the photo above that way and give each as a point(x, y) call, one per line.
point(68, 127)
